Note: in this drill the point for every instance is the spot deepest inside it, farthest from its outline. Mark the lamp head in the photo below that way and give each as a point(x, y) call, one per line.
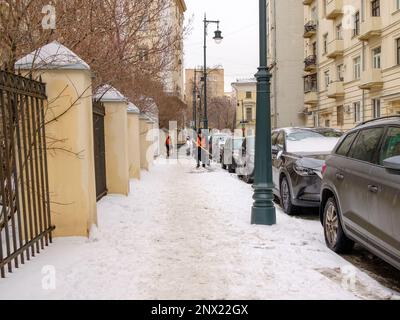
point(218, 36)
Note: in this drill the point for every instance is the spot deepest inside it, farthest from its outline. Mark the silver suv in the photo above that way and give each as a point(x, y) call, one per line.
point(361, 190)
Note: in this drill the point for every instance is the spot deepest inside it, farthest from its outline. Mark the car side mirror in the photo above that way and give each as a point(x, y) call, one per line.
point(392, 163)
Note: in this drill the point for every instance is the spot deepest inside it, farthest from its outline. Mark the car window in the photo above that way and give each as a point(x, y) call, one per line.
point(280, 141)
point(365, 147)
point(391, 146)
point(344, 148)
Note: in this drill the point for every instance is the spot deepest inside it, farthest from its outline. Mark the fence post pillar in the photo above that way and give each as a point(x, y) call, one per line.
point(116, 140)
point(144, 161)
point(134, 141)
point(69, 136)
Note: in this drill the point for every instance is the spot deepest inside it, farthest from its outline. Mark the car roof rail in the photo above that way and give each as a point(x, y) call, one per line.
point(378, 119)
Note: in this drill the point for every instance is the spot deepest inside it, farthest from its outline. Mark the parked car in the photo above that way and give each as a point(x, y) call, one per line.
point(360, 199)
point(245, 166)
point(298, 155)
point(231, 153)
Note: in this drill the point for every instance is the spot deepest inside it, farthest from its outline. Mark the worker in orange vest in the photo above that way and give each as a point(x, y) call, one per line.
point(201, 147)
point(168, 144)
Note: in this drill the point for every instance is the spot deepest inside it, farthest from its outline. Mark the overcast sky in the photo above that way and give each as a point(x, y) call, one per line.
point(238, 53)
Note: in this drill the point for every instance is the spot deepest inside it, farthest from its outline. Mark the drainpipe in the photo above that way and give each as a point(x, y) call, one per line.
point(363, 90)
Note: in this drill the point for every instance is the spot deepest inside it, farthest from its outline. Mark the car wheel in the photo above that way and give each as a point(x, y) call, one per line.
point(232, 167)
point(335, 237)
point(286, 198)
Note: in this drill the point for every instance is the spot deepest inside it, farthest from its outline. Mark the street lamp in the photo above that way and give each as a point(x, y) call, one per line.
point(263, 210)
point(218, 39)
point(195, 99)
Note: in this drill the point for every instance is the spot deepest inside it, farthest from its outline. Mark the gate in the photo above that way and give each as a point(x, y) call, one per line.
point(99, 149)
point(25, 222)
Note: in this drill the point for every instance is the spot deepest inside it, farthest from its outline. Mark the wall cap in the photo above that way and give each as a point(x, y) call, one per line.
point(52, 56)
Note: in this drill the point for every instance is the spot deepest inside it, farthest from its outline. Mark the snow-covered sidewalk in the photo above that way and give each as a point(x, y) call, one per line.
point(185, 234)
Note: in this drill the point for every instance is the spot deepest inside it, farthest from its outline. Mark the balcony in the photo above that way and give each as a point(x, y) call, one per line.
point(371, 27)
point(310, 29)
point(310, 63)
point(307, 2)
point(336, 90)
point(311, 98)
point(371, 79)
point(335, 49)
point(334, 9)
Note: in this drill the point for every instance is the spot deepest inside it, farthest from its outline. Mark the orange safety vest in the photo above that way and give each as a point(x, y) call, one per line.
point(201, 143)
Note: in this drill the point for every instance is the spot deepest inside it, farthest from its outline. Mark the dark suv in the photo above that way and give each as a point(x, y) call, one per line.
point(360, 200)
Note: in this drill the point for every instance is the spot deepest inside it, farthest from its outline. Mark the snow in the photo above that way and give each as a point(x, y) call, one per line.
point(185, 234)
point(107, 93)
point(132, 108)
point(52, 56)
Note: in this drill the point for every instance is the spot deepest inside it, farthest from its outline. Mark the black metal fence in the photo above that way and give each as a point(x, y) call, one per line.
point(25, 222)
point(99, 149)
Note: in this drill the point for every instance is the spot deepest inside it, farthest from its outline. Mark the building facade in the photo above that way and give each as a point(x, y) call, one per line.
point(173, 79)
point(215, 83)
point(352, 61)
point(285, 58)
point(246, 101)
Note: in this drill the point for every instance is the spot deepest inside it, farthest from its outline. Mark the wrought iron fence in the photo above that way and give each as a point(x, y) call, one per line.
point(25, 222)
point(99, 113)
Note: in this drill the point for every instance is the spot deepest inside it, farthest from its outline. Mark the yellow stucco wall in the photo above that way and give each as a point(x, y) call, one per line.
point(70, 156)
point(134, 145)
point(143, 144)
point(116, 145)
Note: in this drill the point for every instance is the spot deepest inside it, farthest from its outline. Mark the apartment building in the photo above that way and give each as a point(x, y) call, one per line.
point(285, 58)
point(174, 82)
point(215, 83)
point(352, 61)
point(246, 101)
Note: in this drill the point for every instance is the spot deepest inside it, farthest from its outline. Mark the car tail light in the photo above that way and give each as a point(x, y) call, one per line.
point(324, 167)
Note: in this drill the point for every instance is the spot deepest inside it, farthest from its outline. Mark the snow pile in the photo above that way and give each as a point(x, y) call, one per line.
point(185, 234)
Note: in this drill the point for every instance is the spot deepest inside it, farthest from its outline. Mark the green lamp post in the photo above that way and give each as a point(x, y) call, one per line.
point(263, 211)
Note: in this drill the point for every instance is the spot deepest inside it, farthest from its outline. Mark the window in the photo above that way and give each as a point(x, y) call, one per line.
point(367, 143)
point(143, 55)
point(325, 43)
point(248, 94)
point(327, 123)
point(357, 68)
point(340, 116)
point(340, 72)
point(344, 148)
point(357, 112)
point(391, 146)
point(398, 49)
point(376, 108)
point(327, 78)
point(376, 8)
point(249, 114)
point(376, 58)
point(356, 24)
point(397, 4)
point(339, 32)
